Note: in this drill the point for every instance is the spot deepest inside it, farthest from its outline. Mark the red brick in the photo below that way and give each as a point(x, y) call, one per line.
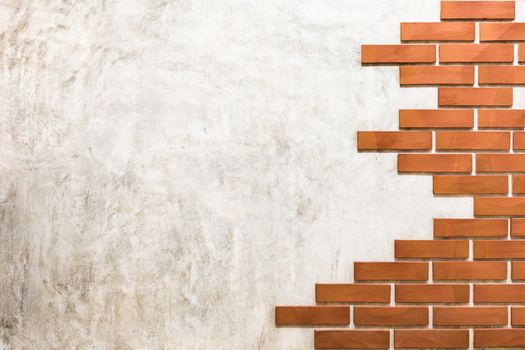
point(463, 97)
point(352, 293)
point(518, 184)
point(447, 228)
point(436, 75)
point(476, 53)
point(446, 249)
point(438, 31)
point(352, 339)
point(469, 316)
point(500, 163)
point(437, 118)
point(501, 31)
point(472, 140)
point(517, 228)
point(312, 315)
point(499, 293)
point(521, 53)
point(501, 75)
point(518, 316)
point(499, 338)
point(469, 270)
point(432, 293)
point(477, 10)
point(431, 339)
point(501, 118)
point(390, 316)
point(518, 140)
point(501, 206)
point(518, 270)
point(394, 140)
point(390, 271)
point(434, 163)
point(499, 249)
point(468, 185)
point(395, 54)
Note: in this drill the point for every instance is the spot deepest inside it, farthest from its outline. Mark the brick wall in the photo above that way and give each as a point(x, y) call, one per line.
point(463, 288)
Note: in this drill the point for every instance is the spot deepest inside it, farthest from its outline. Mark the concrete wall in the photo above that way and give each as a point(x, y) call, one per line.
point(171, 170)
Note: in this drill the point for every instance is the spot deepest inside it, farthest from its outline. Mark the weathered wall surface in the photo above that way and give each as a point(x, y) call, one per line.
point(171, 170)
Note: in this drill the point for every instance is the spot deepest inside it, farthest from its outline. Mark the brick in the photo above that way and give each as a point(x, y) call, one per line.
point(472, 140)
point(438, 31)
point(518, 140)
point(500, 163)
point(432, 293)
point(390, 271)
point(476, 53)
point(501, 206)
point(469, 270)
point(521, 53)
point(418, 249)
point(436, 75)
point(312, 315)
point(464, 184)
point(517, 228)
point(463, 97)
point(499, 338)
point(470, 316)
point(394, 140)
point(434, 163)
point(352, 293)
point(499, 293)
point(518, 270)
point(518, 316)
point(501, 75)
point(431, 339)
point(501, 118)
point(390, 316)
point(447, 228)
point(499, 249)
point(395, 54)
point(352, 339)
point(477, 10)
point(518, 184)
point(501, 31)
point(437, 118)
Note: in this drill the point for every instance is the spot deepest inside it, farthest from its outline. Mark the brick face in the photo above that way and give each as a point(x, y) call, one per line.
point(455, 290)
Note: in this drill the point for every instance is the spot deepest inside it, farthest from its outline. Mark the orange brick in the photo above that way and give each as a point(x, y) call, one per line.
point(501, 75)
point(521, 53)
point(390, 271)
point(431, 338)
point(500, 163)
point(352, 339)
point(434, 163)
point(436, 118)
point(394, 140)
point(477, 10)
point(418, 249)
point(476, 53)
point(470, 316)
point(390, 316)
point(352, 293)
point(518, 316)
point(499, 249)
point(393, 54)
point(518, 270)
point(469, 270)
point(499, 293)
point(501, 118)
point(432, 293)
point(436, 75)
point(517, 228)
point(312, 315)
point(475, 97)
point(518, 184)
point(501, 206)
point(472, 140)
point(465, 184)
point(499, 338)
point(447, 228)
point(518, 140)
point(501, 31)
point(438, 31)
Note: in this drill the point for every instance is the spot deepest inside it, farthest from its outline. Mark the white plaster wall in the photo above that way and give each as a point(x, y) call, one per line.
point(172, 170)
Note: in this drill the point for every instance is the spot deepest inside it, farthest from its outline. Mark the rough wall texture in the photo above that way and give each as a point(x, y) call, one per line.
point(171, 170)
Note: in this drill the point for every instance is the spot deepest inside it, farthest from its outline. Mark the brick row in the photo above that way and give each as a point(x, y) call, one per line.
point(481, 10)
point(471, 228)
point(398, 54)
point(438, 31)
point(470, 185)
point(438, 118)
point(394, 140)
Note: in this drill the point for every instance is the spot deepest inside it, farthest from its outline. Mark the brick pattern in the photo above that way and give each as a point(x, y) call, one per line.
point(465, 288)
